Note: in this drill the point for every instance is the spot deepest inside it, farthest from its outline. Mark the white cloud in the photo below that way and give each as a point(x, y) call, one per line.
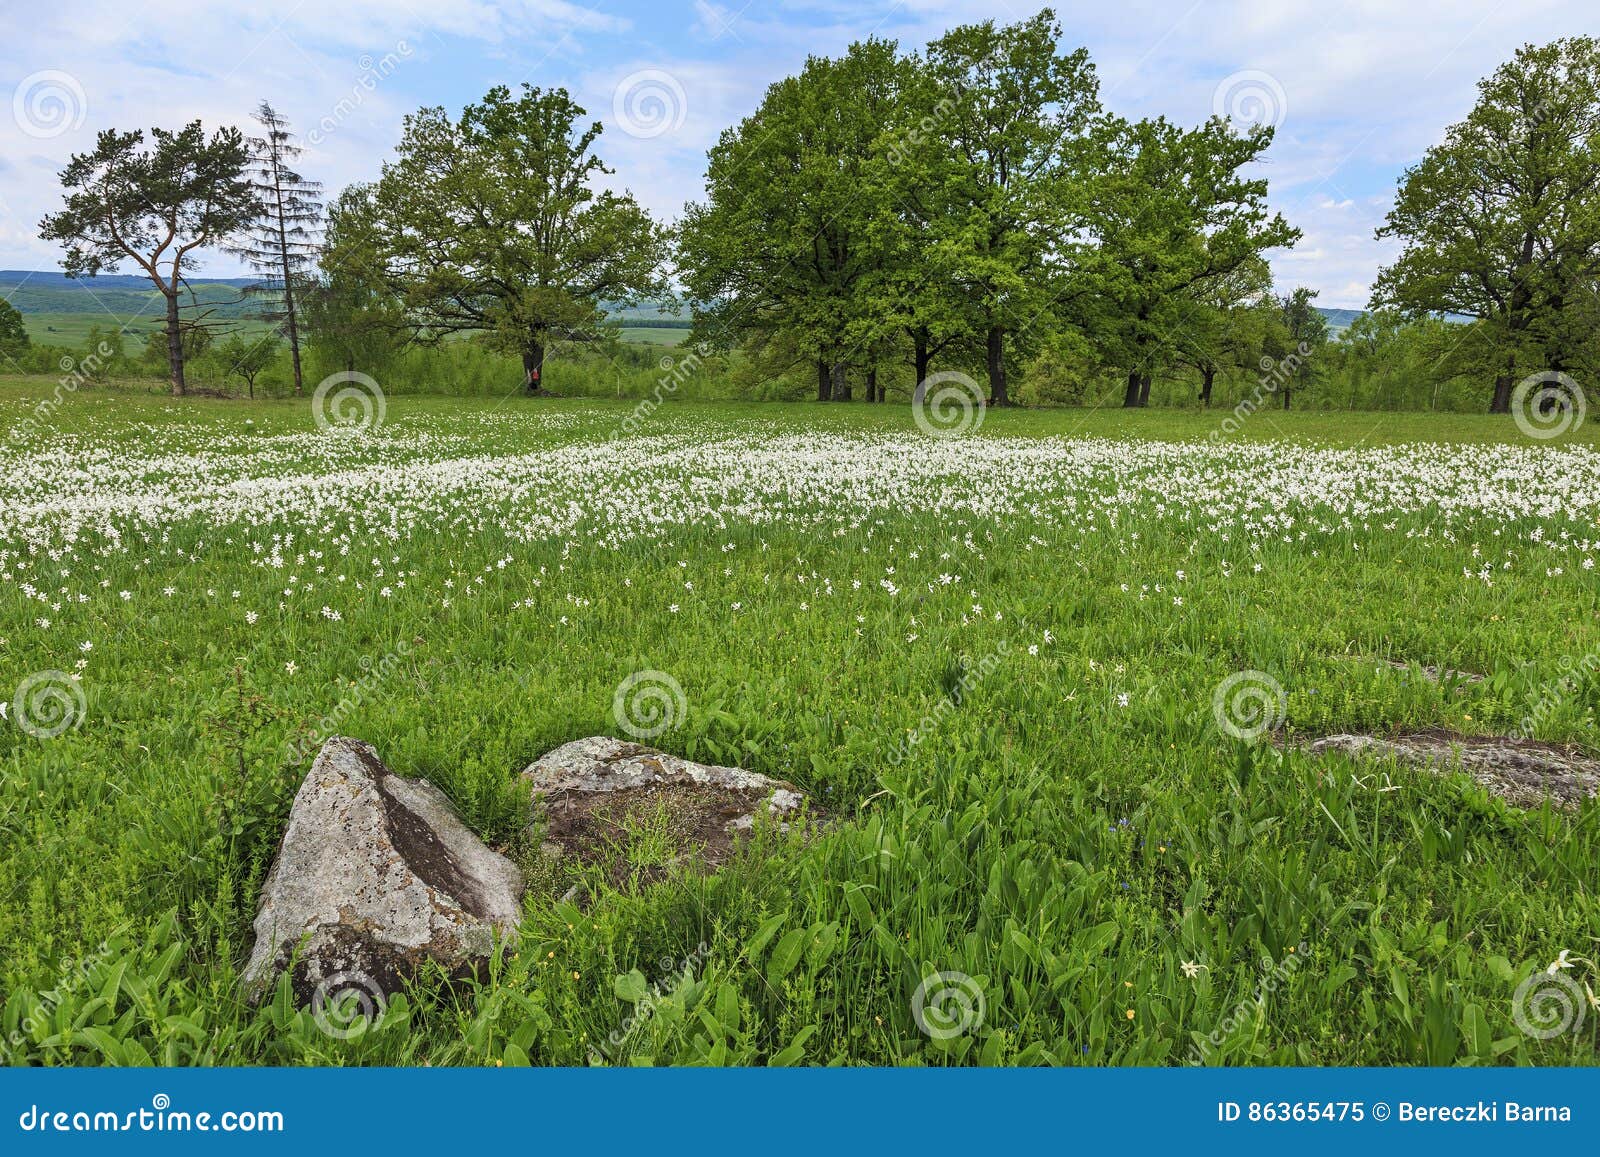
point(1366, 85)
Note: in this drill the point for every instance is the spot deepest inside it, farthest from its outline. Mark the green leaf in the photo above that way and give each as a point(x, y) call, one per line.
point(786, 955)
point(632, 986)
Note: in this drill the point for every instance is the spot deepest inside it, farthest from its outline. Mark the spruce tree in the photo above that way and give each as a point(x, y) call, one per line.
point(281, 243)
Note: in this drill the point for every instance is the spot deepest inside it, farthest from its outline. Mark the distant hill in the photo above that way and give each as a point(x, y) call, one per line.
point(1339, 320)
point(55, 279)
point(119, 298)
point(61, 310)
point(118, 295)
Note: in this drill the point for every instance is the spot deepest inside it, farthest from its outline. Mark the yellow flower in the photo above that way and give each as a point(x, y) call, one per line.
point(1130, 1014)
point(575, 976)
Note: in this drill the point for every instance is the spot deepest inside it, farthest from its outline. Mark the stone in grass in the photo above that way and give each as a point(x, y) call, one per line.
point(598, 794)
point(1437, 674)
point(1522, 772)
point(376, 876)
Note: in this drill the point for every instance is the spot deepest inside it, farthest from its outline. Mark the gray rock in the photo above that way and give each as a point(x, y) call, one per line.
point(1522, 772)
point(594, 790)
point(375, 877)
point(1437, 674)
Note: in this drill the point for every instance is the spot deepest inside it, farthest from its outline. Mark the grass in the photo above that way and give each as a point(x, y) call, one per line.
point(72, 329)
point(653, 335)
point(1065, 837)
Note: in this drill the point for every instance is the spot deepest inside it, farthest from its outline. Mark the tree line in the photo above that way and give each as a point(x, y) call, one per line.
point(882, 216)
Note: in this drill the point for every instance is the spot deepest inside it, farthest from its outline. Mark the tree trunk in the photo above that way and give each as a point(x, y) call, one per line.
point(1501, 402)
point(533, 367)
point(285, 266)
point(1208, 377)
point(294, 335)
point(997, 367)
point(1287, 393)
point(873, 394)
point(920, 360)
point(841, 381)
point(824, 383)
point(175, 346)
point(1144, 390)
point(1130, 396)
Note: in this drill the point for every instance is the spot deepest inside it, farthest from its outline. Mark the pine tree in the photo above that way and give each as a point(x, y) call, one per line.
point(281, 243)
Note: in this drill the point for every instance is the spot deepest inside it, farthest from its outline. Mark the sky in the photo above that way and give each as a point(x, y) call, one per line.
point(1358, 90)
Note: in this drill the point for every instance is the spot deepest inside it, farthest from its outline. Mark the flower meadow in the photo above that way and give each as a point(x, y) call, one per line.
point(1043, 683)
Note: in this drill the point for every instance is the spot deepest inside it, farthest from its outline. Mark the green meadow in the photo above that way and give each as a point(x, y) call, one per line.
point(992, 662)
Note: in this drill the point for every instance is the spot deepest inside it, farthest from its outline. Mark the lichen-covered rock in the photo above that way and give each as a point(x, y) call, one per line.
point(1522, 772)
point(599, 792)
point(375, 877)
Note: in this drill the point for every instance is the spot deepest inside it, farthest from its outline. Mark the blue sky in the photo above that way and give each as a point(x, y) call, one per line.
point(1359, 89)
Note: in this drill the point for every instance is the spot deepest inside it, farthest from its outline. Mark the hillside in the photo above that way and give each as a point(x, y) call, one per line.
point(61, 310)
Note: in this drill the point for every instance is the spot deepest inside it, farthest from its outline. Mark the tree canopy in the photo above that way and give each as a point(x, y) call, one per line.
point(1501, 220)
point(494, 223)
point(150, 205)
